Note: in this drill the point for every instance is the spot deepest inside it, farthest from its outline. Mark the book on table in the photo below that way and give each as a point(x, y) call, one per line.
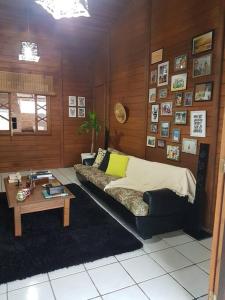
point(48, 196)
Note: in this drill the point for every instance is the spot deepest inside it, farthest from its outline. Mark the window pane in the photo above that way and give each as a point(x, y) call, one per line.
point(4, 111)
point(42, 113)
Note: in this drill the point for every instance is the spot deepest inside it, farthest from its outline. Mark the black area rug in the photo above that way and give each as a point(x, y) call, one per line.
point(46, 245)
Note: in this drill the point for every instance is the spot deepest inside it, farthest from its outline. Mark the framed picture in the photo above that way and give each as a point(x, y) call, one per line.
point(180, 117)
point(178, 97)
point(165, 129)
point(202, 43)
point(151, 141)
point(180, 62)
point(163, 73)
point(179, 82)
point(152, 95)
point(81, 101)
point(198, 123)
point(161, 143)
point(173, 152)
point(81, 112)
point(154, 128)
point(203, 91)
point(167, 109)
point(176, 135)
point(153, 77)
point(157, 56)
point(189, 146)
point(202, 65)
point(163, 92)
point(155, 113)
point(72, 100)
point(188, 98)
point(72, 112)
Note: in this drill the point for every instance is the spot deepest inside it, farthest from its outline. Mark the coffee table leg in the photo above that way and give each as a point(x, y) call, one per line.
point(66, 215)
point(17, 221)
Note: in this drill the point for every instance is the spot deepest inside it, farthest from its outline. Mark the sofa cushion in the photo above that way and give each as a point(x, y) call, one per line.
point(104, 164)
point(99, 158)
point(117, 165)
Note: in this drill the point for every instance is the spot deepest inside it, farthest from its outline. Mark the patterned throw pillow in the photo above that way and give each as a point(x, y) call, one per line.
point(99, 158)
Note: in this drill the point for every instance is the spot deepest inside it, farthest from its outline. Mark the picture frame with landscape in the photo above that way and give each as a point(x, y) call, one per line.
point(202, 43)
point(179, 82)
point(164, 129)
point(180, 62)
point(173, 152)
point(163, 92)
point(163, 74)
point(180, 117)
point(203, 91)
point(189, 146)
point(202, 65)
point(176, 135)
point(152, 95)
point(161, 143)
point(151, 141)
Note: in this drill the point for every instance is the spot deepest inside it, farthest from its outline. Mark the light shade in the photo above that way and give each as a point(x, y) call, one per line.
point(29, 52)
point(65, 8)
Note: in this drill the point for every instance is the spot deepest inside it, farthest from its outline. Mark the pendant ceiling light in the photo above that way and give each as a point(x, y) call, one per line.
point(65, 8)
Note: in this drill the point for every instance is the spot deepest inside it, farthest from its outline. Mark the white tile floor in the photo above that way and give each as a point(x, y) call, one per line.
point(170, 266)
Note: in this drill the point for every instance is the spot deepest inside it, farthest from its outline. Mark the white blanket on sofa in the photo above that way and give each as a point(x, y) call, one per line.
point(143, 175)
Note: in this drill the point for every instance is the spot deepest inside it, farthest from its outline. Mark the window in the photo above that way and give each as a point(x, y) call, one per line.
point(28, 113)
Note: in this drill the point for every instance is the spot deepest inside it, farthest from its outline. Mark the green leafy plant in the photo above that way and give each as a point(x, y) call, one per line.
point(91, 124)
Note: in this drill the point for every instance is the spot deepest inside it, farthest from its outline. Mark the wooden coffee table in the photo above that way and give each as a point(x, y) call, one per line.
point(34, 203)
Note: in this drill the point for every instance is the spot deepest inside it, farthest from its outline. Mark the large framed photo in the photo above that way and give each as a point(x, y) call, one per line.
point(176, 135)
point(151, 141)
point(202, 43)
point(153, 77)
point(81, 112)
point(165, 129)
point(180, 62)
point(155, 113)
point(179, 82)
point(163, 93)
point(81, 101)
point(72, 112)
point(167, 109)
point(157, 56)
point(154, 128)
point(202, 65)
point(188, 98)
point(198, 123)
point(72, 100)
point(152, 95)
point(163, 73)
point(203, 91)
point(189, 146)
point(173, 152)
point(180, 117)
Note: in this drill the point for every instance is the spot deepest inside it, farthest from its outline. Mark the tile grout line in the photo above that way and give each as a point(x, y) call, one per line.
point(53, 292)
point(92, 280)
point(182, 286)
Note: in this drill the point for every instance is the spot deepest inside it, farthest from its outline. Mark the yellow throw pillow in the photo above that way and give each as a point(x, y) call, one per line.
point(117, 165)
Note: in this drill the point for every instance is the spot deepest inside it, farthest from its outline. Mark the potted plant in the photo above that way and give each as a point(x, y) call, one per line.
point(91, 124)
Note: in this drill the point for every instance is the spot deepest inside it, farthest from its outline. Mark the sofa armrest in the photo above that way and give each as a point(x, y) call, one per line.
point(88, 161)
point(164, 202)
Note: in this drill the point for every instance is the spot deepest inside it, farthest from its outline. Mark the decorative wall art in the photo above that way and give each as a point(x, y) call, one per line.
point(152, 95)
point(163, 93)
point(202, 43)
point(163, 73)
point(161, 143)
point(155, 113)
point(178, 97)
point(173, 152)
point(72, 112)
point(189, 146)
point(165, 129)
point(72, 100)
point(180, 118)
point(203, 91)
point(81, 101)
point(180, 62)
point(198, 123)
point(179, 82)
point(202, 65)
point(157, 56)
point(188, 98)
point(176, 135)
point(151, 141)
point(167, 109)
point(154, 128)
point(153, 77)
point(81, 112)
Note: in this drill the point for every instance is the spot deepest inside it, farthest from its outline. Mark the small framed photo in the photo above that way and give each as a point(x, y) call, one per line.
point(155, 113)
point(167, 109)
point(203, 42)
point(72, 112)
point(173, 152)
point(152, 95)
point(203, 91)
point(72, 100)
point(198, 123)
point(151, 141)
point(180, 117)
point(189, 146)
point(165, 129)
point(81, 101)
point(179, 82)
point(161, 143)
point(180, 62)
point(157, 56)
point(153, 77)
point(163, 73)
point(176, 135)
point(163, 92)
point(178, 97)
point(202, 65)
point(188, 98)
point(154, 128)
point(81, 112)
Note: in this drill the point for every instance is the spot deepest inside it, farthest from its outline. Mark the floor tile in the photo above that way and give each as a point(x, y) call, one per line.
point(130, 293)
point(110, 278)
point(27, 282)
point(193, 279)
point(100, 262)
point(164, 287)
point(142, 268)
point(170, 259)
point(40, 291)
point(207, 243)
point(3, 297)
point(66, 271)
point(131, 254)
point(155, 244)
point(205, 265)
point(3, 288)
point(204, 298)
point(194, 251)
point(176, 238)
point(77, 286)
